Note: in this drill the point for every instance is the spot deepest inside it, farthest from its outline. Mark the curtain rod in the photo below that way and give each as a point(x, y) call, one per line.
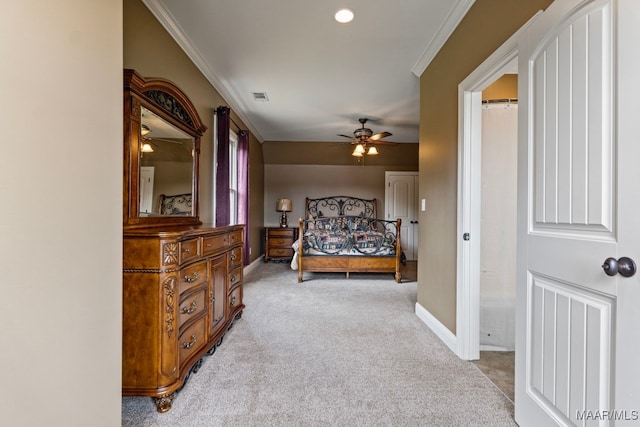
point(236, 125)
point(500, 101)
point(230, 120)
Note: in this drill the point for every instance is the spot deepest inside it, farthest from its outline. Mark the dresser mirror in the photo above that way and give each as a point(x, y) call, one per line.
point(162, 134)
point(166, 168)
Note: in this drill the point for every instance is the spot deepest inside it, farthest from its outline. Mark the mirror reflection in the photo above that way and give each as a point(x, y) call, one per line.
point(166, 168)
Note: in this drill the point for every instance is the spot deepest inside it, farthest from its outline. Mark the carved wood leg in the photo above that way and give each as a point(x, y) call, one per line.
point(163, 403)
point(398, 277)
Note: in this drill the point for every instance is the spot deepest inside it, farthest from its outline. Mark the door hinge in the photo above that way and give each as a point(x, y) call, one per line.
point(466, 236)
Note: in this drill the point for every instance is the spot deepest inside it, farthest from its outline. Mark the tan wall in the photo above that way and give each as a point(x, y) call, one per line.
point(296, 182)
point(487, 25)
point(337, 153)
point(296, 170)
point(505, 87)
point(152, 52)
point(61, 228)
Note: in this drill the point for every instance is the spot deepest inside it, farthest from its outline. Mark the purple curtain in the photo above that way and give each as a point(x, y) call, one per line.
point(222, 170)
point(243, 188)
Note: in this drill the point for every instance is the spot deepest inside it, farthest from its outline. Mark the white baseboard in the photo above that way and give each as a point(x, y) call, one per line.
point(445, 335)
point(486, 347)
point(253, 265)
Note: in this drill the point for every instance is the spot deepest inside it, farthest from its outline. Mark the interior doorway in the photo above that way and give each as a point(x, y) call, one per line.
point(498, 219)
point(469, 233)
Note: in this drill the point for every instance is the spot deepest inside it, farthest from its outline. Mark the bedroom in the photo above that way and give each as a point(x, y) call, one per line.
point(437, 164)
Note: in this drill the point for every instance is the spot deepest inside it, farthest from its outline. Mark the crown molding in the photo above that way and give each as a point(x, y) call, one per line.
point(167, 20)
point(444, 32)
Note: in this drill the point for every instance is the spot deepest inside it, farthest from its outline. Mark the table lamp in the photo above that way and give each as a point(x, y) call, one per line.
point(284, 206)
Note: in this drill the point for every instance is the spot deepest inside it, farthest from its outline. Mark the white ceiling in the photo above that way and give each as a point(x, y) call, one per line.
point(320, 76)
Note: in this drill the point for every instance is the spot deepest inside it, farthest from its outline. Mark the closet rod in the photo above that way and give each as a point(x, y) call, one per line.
point(500, 101)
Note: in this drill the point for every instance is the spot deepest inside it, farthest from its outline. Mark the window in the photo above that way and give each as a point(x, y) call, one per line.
point(233, 178)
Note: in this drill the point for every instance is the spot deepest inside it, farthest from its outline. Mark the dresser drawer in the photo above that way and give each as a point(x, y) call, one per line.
point(235, 277)
point(281, 241)
point(192, 305)
point(280, 252)
point(188, 250)
point(193, 276)
point(213, 243)
point(192, 339)
point(235, 299)
point(235, 258)
point(281, 232)
point(235, 237)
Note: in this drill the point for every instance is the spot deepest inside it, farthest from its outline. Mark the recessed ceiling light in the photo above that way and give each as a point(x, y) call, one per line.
point(344, 16)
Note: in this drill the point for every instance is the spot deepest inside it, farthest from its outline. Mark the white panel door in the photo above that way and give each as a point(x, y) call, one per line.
point(577, 339)
point(146, 189)
point(401, 201)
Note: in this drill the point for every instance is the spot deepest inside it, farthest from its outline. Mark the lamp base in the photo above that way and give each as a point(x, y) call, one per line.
point(283, 220)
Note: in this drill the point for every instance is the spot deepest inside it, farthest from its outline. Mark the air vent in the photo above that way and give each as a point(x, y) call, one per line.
point(260, 96)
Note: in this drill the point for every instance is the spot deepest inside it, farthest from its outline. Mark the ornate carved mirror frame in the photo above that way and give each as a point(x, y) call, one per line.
point(165, 100)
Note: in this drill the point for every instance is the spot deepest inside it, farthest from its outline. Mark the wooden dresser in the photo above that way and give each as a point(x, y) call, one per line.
point(182, 291)
point(182, 280)
point(277, 243)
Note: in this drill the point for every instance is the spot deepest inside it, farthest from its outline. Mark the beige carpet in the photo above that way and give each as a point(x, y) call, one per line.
point(329, 352)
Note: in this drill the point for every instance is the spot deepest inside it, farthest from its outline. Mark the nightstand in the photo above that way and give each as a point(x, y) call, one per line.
point(277, 243)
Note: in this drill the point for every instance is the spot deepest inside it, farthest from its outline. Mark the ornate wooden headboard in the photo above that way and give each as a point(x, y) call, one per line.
point(340, 206)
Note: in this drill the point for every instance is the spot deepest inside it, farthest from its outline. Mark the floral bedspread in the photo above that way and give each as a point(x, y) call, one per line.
point(349, 235)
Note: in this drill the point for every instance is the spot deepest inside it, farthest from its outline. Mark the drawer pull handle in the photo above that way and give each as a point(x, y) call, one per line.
point(233, 257)
point(209, 245)
point(187, 250)
point(190, 279)
point(187, 310)
point(188, 345)
point(233, 278)
point(233, 301)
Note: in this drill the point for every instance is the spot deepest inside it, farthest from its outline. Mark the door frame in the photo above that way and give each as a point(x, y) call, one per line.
point(469, 192)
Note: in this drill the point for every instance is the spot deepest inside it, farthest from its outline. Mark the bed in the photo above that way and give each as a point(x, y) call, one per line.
point(343, 234)
point(177, 204)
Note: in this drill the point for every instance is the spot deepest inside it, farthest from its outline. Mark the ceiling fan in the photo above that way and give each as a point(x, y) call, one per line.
point(365, 141)
point(147, 144)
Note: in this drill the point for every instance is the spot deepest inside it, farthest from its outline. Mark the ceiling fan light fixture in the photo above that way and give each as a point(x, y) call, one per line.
point(146, 148)
point(344, 16)
point(372, 151)
point(359, 149)
point(356, 154)
point(145, 130)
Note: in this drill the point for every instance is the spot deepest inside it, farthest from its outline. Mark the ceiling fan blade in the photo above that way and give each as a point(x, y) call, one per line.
point(346, 136)
point(383, 143)
point(172, 141)
point(380, 135)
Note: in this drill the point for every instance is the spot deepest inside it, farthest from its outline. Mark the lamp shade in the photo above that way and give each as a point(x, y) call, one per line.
point(283, 205)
